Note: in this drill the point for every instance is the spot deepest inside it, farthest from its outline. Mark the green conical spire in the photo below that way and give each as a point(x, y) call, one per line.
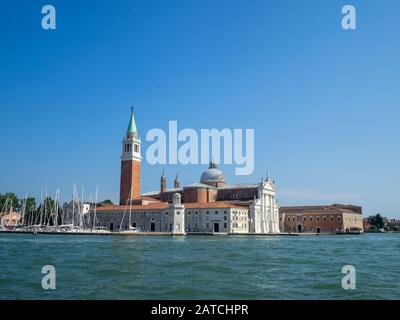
point(132, 130)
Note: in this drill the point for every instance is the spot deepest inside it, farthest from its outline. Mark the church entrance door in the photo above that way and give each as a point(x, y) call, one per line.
point(152, 227)
point(216, 227)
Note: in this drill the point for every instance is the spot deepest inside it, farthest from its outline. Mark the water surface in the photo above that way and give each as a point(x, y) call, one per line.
point(199, 267)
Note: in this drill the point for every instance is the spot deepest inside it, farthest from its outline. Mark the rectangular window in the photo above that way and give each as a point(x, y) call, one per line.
point(225, 225)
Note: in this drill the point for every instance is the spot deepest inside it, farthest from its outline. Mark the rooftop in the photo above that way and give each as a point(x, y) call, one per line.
point(132, 129)
point(333, 208)
point(166, 205)
point(240, 186)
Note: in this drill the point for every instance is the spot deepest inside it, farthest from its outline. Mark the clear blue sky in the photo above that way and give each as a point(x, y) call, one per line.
point(324, 102)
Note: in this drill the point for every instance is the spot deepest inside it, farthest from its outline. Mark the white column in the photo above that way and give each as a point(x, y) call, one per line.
point(269, 214)
point(275, 218)
point(266, 215)
point(262, 227)
point(276, 211)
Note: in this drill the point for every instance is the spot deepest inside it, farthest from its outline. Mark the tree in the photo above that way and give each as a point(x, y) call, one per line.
point(13, 200)
point(106, 202)
point(45, 214)
point(377, 221)
point(30, 204)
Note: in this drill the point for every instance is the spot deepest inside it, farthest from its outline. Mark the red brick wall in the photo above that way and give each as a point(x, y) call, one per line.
point(310, 222)
point(130, 178)
point(196, 195)
point(190, 195)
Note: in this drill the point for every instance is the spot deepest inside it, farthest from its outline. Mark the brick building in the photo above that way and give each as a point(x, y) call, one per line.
point(11, 219)
point(210, 205)
point(336, 218)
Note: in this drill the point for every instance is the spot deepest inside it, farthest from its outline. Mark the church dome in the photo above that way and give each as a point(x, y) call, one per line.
point(212, 174)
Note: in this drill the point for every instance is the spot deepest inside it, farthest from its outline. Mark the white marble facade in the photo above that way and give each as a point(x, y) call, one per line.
point(260, 217)
point(264, 211)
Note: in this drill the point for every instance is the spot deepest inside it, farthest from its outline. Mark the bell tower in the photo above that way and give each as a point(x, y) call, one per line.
point(130, 164)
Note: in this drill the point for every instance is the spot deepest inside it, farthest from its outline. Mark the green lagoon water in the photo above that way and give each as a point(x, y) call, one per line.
point(197, 267)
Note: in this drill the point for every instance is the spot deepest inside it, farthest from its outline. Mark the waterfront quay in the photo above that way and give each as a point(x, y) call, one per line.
point(142, 234)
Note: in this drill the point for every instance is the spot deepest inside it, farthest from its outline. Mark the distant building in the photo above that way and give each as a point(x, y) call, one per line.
point(11, 219)
point(393, 225)
point(76, 212)
point(210, 205)
point(321, 219)
point(366, 224)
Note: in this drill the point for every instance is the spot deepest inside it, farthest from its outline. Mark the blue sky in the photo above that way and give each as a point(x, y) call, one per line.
point(324, 102)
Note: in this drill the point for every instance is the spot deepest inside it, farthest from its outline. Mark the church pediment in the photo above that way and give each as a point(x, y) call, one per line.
point(269, 185)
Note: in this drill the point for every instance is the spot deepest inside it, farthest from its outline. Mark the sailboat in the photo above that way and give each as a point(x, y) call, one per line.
point(9, 222)
point(84, 225)
point(3, 214)
point(131, 229)
point(95, 228)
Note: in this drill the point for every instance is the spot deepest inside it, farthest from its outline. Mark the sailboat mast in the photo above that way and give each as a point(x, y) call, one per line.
point(56, 207)
point(130, 212)
point(81, 212)
point(95, 207)
point(23, 209)
point(41, 207)
point(73, 206)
